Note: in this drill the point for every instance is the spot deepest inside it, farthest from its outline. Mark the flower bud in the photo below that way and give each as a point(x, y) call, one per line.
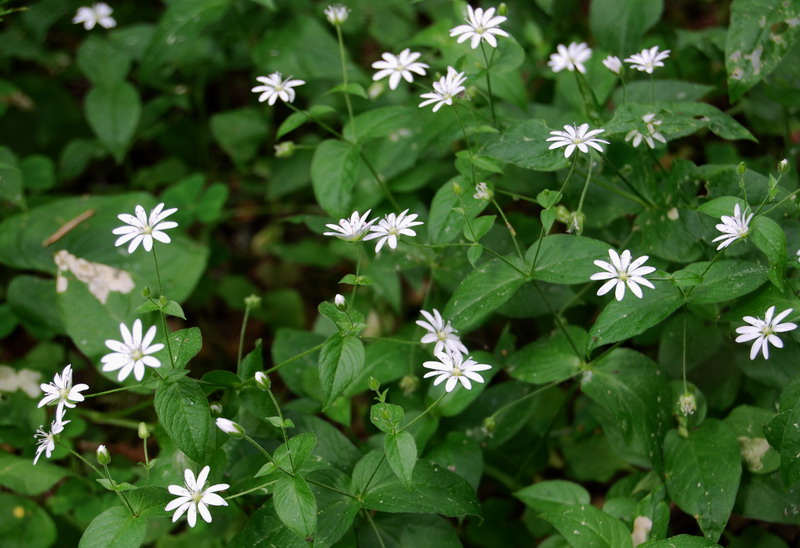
point(337, 14)
point(687, 403)
point(144, 431)
point(216, 408)
point(563, 215)
point(103, 456)
point(340, 301)
point(262, 381)
point(483, 192)
point(162, 300)
point(502, 9)
point(284, 149)
point(575, 222)
point(783, 166)
point(741, 169)
point(374, 384)
point(252, 301)
point(456, 188)
point(146, 292)
point(409, 384)
point(231, 428)
point(613, 64)
point(489, 425)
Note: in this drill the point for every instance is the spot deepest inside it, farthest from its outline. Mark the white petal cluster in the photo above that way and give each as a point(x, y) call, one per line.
point(613, 64)
point(274, 88)
point(399, 66)
point(445, 89)
point(62, 392)
point(391, 227)
point(132, 354)
point(193, 498)
point(652, 135)
point(454, 368)
point(143, 229)
point(481, 25)
point(97, 14)
point(733, 228)
point(579, 137)
point(337, 14)
point(762, 332)
point(441, 333)
point(570, 57)
point(46, 440)
point(483, 192)
point(351, 229)
point(621, 272)
point(648, 59)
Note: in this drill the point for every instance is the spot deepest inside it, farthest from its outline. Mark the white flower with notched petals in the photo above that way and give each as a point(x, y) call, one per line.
point(62, 391)
point(576, 137)
point(351, 229)
point(613, 64)
point(570, 57)
point(132, 354)
point(652, 135)
point(391, 227)
point(648, 59)
point(763, 331)
point(445, 89)
point(275, 88)
point(98, 14)
point(441, 333)
point(483, 192)
point(481, 25)
point(193, 498)
point(454, 368)
point(399, 66)
point(621, 272)
point(337, 14)
point(142, 229)
point(733, 228)
point(46, 440)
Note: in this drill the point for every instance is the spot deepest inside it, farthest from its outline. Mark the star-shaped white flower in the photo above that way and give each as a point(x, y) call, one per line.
point(336, 14)
point(441, 333)
point(652, 135)
point(131, 355)
point(98, 14)
point(481, 25)
point(193, 498)
point(399, 66)
point(445, 89)
point(576, 137)
point(391, 227)
point(275, 88)
point(570, 57)
point(621, 272)
point(763, 331)
point(454, 368)
point(648, 59)
point(62, 391)
point(351, 229)
point(733, 228)
point(613, 64)
point(46, 440)
point(142, 229)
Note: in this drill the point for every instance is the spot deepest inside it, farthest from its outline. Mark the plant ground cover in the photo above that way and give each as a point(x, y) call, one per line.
point(400, 273)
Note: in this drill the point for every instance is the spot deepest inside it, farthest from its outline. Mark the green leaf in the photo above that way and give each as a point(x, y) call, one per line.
point(629, 317)
point(483, 291)
point(748, 424)
point(124, 486)
point(265, 530)
point(619, 25)
point(759, 35)
point(548, 198)
point(632, 390)
point(386, 416)
point(783, 433)
point(295, 505)
point(565, 258)
point(702, 474)
point(549, 360)
point(20, 475)
point(103, 63)
point(768, 237)
point(524, 144)
point(291, 455)
point(114, 528)
point(183, 412)
point(38, 172)
point(381, 122)
point(278, 422)
point(401, 453)
point(333, 176)
point(407, 530)
point(113, 114)
point(149, 501)
point(584, 525)
point(186, 344)
point(11, 185)
point(547, 496)
point(340, 360)
point(252, 362)
point(352, 279)
point(240, 133)
point(724, 280)
point(34, 528)
point(446, 219)
point(297, 119)
point(724, 205)
point(174, 309)
point(147, 306)
point(682, 541)
point(478, 227)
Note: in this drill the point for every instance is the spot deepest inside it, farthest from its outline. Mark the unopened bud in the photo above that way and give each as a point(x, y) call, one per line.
point(374, 384)
point(340, 301)
point(337, 14)
point(563, 215)
point(502, 9)
point(456, 188)
point(687, 403)
point(284, 149)
point(216, 408)
point(144, 431)
point(741, 169)
point(103, 456)
point(252, 301)
point(146, 292)
point(409, 384)
point(489, 425)
point(783, 166)
point(231, 428)
point(162, 300)
point(262, 381)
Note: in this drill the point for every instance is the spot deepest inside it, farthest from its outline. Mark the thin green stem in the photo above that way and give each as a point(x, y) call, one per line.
point(102, 418)
point(345, 81)
point(283, 428)
point(652, 154)
point(112, 391)
point(788, 197)
point(241, 336)
point(319, 122)
point(708, 266)
point(626, 181)
point(99, 473)
point(489, 84)
point(652, 90)
point(469, 145)
point(397, 341)
point(418, 417)
point(560, 324)
point(248, 491)
point(374, 528)
point(516, 196)
point(120, 493)
point(294, 358)
point(510, 228)
point(358, 273)
point(163, 316)
point(329, 488)
point(531, 394)
point(585, 186)
point(683, 361)
point(624, 90)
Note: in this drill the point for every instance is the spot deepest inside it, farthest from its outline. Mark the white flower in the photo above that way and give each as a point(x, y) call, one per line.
point(337, 14)
point(274, 88)
point(143, 229)
point(132, 353)
point(647, 59)
point(231, 428)
point(733, 228)
point(340, 301)
point(399, 66)
point(613, 64)
point(351, 229)
point(763, 331)
point(621, 272)
point(445, 89)
point(194, 498)
point(687, 403)
point(576, 136)
point(483, 192)
point(440, 332)
point(391, 227)
point(98, 14)
point(46, 440)
point(570, 57)
point(481, 25)
point(62, 390)
point(454, 368)
point(650, 123)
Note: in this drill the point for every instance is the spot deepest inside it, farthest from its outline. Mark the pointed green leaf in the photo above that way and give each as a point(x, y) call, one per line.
point(114, 528)
point(566, 258)
point(584, 525)
point(339, 362)
point(401, 453)
point(183, 412)
point(547, 496)
point(783, 433)
point(113, 114)
point(295, 505)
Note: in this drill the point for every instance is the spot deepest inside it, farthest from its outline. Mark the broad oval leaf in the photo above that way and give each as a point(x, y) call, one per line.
point(724, 280)
point(114, 528)
point(103, 63)
point(295, 505)
point(183, 412)
point(333, 176)
point(551, 359)
point(525, 145)
point(113, 114)
point(619, 25)
point(339, 362)
point(565, 258)
point(768, 236)
point(546, 496)
point(784, 435)
point(401, 453)
point(584, 525)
